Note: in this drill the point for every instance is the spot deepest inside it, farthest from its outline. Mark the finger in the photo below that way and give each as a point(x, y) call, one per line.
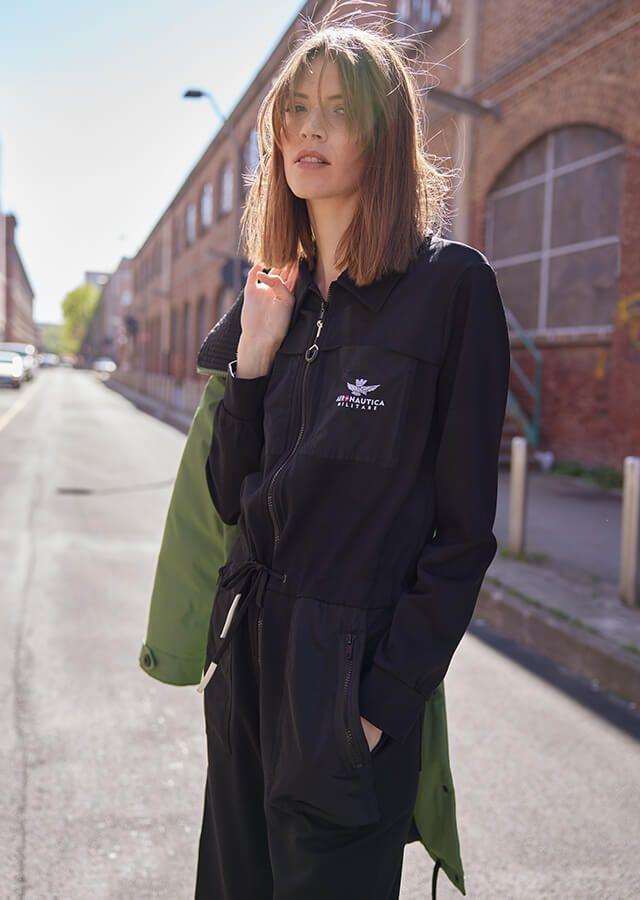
point(274, 282)
point(252, 273)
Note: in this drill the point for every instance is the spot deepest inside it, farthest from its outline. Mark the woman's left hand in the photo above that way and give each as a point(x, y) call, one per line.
point(372, 732)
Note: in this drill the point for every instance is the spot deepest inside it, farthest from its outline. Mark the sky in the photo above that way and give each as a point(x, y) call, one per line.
point(95, 138)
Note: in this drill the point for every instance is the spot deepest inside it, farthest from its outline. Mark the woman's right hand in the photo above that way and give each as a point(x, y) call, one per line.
point(265, 316)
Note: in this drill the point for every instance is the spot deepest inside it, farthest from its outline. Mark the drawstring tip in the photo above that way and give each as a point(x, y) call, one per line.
point(232, 609)
point(206, 678)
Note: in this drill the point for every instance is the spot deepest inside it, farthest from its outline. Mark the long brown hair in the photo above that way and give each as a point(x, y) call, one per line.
point(402, 193)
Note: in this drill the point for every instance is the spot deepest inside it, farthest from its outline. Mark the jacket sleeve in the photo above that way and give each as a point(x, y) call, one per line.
point(430, 619)
point(236, 442)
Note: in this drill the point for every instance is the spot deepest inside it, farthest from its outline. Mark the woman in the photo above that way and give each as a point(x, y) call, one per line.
point(356, 446)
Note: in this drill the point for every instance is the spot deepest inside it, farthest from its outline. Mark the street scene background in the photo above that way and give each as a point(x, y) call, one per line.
point(127, 136)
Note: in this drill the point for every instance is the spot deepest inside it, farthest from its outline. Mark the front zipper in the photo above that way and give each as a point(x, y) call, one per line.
point(309, 356)
point(259, 632)
point(356, 757)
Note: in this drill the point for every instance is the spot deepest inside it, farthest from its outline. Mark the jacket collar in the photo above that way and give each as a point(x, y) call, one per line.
point(372, 295)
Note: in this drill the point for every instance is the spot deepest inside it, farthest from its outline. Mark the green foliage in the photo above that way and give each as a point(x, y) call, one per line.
point(54, 339)
point(602, 476)
point(78, 307)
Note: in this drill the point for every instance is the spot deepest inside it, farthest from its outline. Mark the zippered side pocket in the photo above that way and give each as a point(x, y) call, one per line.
point(354, 736)
point(259, 636)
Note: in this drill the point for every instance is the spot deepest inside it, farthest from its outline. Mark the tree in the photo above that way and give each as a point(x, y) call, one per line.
point(78, 307)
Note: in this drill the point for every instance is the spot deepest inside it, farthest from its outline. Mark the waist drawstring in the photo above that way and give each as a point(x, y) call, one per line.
point(254, 574)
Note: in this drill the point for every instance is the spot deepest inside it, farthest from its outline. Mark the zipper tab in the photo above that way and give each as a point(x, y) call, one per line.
point(312, 351)
point(349, 645)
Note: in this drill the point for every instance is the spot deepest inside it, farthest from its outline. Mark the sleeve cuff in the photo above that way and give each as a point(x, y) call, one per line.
point(389, 703)
point(243, 397)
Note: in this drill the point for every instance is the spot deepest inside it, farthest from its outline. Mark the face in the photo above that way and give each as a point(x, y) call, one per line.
point(317, 123)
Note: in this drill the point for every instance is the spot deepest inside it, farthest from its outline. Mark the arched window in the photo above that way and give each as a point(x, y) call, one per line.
point(226, 188)
point(553, 220)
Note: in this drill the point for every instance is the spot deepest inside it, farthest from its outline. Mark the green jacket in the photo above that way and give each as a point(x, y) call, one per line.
point(195, 544)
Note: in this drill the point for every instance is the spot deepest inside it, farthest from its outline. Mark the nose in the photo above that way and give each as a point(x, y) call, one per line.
point(312, 126)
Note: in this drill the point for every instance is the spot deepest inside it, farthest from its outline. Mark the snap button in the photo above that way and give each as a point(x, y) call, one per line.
point(147, 658)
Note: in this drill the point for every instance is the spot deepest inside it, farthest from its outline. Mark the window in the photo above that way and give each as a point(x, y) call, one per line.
point(553, 220)
point(173, 334)
point(186, 331)
point(250, 157)
point(202, 320)
point(226, 188)
point(224, 301)
point(177, 237)
point(429, 12)
point(190, 223)
point(206, 206)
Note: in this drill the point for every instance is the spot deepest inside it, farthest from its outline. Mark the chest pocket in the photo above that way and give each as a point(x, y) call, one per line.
point(359, 404)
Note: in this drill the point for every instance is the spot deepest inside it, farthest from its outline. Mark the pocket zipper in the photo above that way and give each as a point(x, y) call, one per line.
point(356, 758)
point(259, 633)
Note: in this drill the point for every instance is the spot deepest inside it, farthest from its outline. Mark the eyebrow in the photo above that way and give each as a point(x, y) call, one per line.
point(306, 96)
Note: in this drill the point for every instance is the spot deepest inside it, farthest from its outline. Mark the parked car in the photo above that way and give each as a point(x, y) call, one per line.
point(12, 370)
point(28, 353)
point(48, 359)
point(104, 364)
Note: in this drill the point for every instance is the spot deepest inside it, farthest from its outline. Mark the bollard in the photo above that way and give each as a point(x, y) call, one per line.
point(517, 495)
point(630, 549)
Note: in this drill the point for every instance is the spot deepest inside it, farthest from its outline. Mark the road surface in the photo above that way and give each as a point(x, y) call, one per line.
point(102, 768)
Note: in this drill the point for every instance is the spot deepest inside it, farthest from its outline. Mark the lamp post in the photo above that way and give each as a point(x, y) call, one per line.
point(196, 94)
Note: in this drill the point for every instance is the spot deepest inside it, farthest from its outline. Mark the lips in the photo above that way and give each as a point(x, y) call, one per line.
point(312, 153)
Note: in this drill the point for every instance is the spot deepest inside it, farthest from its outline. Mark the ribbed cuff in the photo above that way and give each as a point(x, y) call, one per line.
point(389, 703)
point(244, 397)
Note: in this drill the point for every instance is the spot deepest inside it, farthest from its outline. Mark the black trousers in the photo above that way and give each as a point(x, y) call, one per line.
point(296, 807)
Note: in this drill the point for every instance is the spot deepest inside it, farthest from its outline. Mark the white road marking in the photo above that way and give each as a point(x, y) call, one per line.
point(19, 404)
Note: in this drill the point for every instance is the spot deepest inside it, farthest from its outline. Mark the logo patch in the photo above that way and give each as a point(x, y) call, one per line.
point(358, 397)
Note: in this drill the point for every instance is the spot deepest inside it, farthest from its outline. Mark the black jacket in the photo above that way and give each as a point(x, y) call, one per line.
point(368, 471)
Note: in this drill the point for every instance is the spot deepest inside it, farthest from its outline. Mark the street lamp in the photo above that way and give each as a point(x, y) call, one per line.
point(197, 94)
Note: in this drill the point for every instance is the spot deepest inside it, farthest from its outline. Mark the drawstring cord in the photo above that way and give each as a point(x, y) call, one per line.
point(434, 879)
point(250, 572)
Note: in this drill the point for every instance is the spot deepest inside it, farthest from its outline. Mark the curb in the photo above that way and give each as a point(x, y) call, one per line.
point(581, 651)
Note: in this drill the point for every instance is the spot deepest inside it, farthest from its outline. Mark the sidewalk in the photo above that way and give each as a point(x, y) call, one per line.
point(563, 602)
point(178, 419)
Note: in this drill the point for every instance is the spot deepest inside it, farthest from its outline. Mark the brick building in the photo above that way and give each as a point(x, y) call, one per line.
point(534, 102)
point(107, 331)
point(16, 293)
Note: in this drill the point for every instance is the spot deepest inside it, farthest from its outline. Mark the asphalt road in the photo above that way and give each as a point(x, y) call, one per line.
point(102, 768)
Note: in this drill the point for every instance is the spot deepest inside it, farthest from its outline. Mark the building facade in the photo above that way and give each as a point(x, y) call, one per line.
point(534, 103)
point(107, 333)
point(16, 294)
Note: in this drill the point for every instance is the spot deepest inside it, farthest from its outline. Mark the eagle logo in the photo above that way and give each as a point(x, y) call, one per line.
point(361, 388)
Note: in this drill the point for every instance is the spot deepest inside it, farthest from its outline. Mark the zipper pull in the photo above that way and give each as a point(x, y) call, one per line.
point(313, 349)
point(349, 645)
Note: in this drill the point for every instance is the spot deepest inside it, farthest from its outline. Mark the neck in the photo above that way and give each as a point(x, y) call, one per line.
point(330, 217)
